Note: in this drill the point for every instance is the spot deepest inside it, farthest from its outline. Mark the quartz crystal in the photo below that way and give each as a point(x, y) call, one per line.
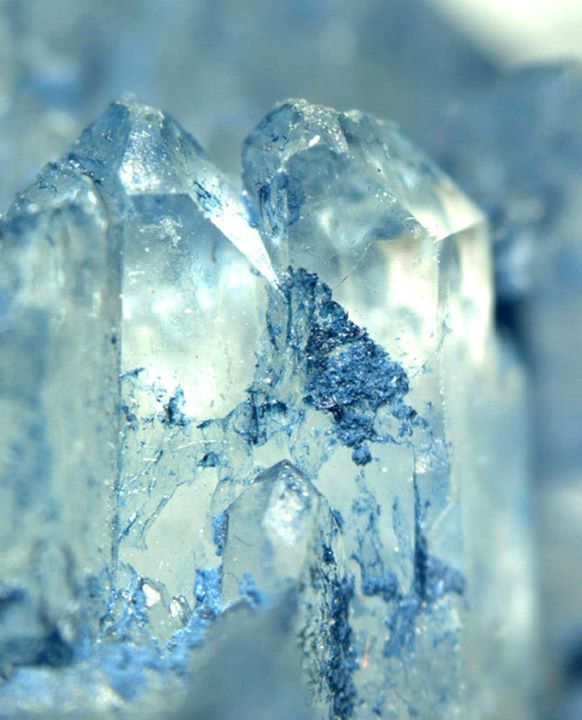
point(279, 417)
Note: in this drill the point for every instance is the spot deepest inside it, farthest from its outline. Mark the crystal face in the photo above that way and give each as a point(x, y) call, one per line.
point(276, 414)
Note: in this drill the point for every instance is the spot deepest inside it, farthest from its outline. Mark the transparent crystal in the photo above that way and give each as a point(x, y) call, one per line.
point(59, 290)
point(406, 254)
point(294, 403)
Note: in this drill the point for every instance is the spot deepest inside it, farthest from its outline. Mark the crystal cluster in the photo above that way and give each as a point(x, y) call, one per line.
point(276, 422)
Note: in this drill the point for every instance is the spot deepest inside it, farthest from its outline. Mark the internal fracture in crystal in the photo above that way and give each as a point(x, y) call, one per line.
point(277, 414)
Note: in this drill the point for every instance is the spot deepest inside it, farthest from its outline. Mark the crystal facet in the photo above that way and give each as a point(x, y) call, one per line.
point(406, 254)
point(287, 403)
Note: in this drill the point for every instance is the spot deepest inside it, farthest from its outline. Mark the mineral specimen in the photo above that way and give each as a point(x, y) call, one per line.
point(280, 413)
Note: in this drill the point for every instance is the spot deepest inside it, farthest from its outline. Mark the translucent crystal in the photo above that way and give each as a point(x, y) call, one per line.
point(59, 314)
point(309, 406)
point(272, 527)
point(120, 223)
point(348, 198)
point(283, 538)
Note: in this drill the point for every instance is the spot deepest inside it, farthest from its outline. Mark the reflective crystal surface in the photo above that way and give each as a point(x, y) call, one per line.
point(347, 197)
point(276, 414)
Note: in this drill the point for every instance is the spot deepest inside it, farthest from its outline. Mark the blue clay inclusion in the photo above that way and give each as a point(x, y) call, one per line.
point(250, 592)
point(208, 591)
point(220, 532)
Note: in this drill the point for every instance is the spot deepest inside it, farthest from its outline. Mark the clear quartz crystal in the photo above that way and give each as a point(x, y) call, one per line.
point(405, 253)
point(311, 414)
point(59, 309)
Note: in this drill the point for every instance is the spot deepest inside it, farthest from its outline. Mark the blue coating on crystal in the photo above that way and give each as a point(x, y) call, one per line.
point(376, 579)
point(361, 455)
point(401, 624)
point(316, 361)
point(433, 579)
point(54, 651)
point(342, 662)
point(126, 666)
point(338, 517)
point(210, 202)
point(340, 369)
point(348, 375)
point(250, 592)
point(441, 579)
point(208, 590)
point(209, 460)
point(174, 410)
point(220, 531)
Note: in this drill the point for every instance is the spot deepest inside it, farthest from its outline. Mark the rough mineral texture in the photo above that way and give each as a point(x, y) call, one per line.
point(276, 422)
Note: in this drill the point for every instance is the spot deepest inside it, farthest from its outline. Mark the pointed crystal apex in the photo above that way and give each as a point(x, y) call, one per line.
point(347, 196)
point(283, 540)
point(374, 160)
point(271, 527)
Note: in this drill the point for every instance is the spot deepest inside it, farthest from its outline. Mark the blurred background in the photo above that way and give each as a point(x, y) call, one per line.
point(453, 74)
